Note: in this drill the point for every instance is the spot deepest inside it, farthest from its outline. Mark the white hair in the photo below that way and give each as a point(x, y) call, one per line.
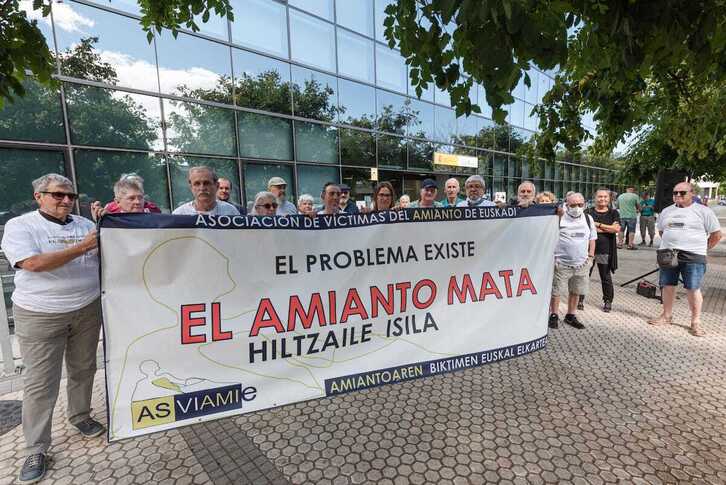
point(42, 183)
point(305, 198)
point(573, 195)
point(203, 168)
point(527, 182)
point(126, 183)
point(476, 178)
point(260, 197)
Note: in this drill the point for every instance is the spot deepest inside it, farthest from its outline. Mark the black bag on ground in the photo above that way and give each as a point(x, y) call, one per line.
point(646, 289)
point(667, 258)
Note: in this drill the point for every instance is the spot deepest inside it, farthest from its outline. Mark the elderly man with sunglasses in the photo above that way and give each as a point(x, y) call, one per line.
point(57, 311)
point(691, 229)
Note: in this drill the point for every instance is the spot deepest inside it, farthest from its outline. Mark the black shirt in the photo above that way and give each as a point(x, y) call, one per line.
point(605, 240)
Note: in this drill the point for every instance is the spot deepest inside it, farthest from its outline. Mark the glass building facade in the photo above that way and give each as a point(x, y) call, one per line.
point(305, 89)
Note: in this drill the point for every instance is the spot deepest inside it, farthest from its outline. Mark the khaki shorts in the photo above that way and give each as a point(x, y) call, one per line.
point(575, 280)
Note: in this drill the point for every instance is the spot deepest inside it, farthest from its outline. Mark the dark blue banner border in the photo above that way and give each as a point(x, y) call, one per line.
point(338, 221)
point(417, 370)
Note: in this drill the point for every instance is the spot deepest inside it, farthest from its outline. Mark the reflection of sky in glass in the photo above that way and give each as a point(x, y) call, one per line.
point(261, 93)
point(312, 41)
point(252, 65)
point(445, 124)
point(356, 15)
point(543, 86)
point(121, 43)
point(530, 93)
point(380, 17)
point(130, 6)
point(486, 110)
point(210, 130)
point(260, 24)
point(531, 121)
point(442, 96)
point(321, 8)
point(467, 126)
point(390, 69)
point(516, 116)
point(216, 26)
point(358, 101)
point(192, 61)
point(355, 56)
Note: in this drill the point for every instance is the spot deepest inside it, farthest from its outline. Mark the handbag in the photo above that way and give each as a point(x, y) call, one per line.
point(667, 258)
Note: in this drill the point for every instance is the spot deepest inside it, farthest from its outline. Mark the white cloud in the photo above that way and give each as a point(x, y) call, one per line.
point(64, 16)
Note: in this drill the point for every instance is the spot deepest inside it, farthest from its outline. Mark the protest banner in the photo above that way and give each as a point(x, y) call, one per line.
point(209, 317)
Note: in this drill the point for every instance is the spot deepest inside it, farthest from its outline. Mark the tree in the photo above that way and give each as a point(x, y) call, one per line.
point(629, 63)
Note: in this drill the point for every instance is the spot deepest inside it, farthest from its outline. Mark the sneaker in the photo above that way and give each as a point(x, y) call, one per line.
point(33, 469)
point(554, 321)
point(607, 306)
point(90, 428)
point(572, 320)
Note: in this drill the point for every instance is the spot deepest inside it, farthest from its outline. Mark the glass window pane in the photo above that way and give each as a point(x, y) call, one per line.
point(316, 143)
point(179, 170)
point(357, 148)
point(467, 127)
point(360, 183)
point(321, 8)
point(501, 138)
point(193, 67)
point(394, 112)
point(486, 110)
point(261, 82)
point(311, 178)
point(257, 175)
point(500, 165)
point(18, 169)
point(357, 103)
point(516, 114)
point(391, 70)
point(355, 56)
point(380, 18)
point(420, 156)
point(37, 116)
point(486, 133)
point(102, 46)
point(543, 87)
point(530, 93)
point(104, 117)
point(445, 124)
point(44, 23)
point(531, 120)
point(260, 24)
point(312, 41)
point(315, 94)
point(421, 124)
point(97, 171)
point(392, 152)
point(441, 96)
point(356, 15)
point(263, 136)
point(197, 128)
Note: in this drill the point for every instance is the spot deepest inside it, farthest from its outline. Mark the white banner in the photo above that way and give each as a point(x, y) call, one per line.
point(209, 317)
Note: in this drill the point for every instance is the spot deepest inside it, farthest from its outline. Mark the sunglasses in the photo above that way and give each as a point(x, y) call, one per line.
point(59, 196)
point(268, 206)
point(682, 193)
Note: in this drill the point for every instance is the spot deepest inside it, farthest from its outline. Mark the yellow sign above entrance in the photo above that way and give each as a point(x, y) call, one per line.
point(455, 160)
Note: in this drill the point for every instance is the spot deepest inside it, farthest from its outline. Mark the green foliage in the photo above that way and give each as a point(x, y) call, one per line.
point(635, 64)
point(22, 48)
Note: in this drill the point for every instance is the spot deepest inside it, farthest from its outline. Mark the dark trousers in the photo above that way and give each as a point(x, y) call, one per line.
point(606, 278)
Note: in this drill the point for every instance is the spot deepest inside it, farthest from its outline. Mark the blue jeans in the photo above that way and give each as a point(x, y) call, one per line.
point(629, 224)
point(692, 274)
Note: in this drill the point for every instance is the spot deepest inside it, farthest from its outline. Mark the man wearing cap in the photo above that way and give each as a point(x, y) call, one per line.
point(204, 184)
point(278, 186)
point(429, 189)
point(474, 187)
point(223, 194)
point(347, 205)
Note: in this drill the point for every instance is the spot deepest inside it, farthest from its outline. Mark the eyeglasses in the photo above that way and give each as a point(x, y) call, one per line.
point(59, 196)
point(682, 193)
point(268, 206)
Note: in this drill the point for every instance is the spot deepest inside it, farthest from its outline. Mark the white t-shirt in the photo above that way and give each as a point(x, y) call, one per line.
point(65, 289)
point(687, 228)
point(575, 237)
point(221, 208)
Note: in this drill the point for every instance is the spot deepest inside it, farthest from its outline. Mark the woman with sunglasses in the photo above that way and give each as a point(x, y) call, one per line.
point(384, 197)
point(265, 204)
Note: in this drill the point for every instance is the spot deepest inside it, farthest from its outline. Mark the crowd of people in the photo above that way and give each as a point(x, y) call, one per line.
point(56, 302)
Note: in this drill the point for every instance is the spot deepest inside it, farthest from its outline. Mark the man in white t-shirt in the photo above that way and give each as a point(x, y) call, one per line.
point(574, 253)
point(474, 187)
point(57, 310)
point(691, 229)
point(204, 184)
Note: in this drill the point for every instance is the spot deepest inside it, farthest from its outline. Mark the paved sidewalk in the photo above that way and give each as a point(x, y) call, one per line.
point(618, 402)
